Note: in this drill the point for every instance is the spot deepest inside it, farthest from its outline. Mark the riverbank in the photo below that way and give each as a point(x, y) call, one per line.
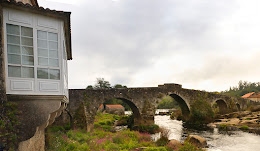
point(103, 137)
point(244, 120)
point(217, 140)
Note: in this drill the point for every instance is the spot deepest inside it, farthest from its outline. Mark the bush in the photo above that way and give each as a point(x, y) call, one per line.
point(9, 125)
point(201, 112)
point(151, 129)
point(188, 147)
point(244, 127)
point(155, 149)
point(176, 115)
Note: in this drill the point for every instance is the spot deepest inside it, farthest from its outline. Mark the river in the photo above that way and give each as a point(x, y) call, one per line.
point(217, 141)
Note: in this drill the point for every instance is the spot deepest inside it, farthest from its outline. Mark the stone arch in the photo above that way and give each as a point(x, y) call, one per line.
point(184, 105)
point(135, 110)
point(222, 105)
point(238, 106)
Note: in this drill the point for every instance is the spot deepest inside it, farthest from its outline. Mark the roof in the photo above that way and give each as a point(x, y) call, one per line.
point(32, 6)
point(114, 106)
point(255, 96)
point(100, 106)
point(248, 95)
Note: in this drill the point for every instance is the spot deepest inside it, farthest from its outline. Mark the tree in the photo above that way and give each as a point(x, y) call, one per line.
point(89, 87)
point(101, 83)
point(167, 103)
point(119, 86)
point(243, 88)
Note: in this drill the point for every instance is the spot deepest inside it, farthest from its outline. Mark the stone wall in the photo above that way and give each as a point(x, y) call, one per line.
point(143, 101)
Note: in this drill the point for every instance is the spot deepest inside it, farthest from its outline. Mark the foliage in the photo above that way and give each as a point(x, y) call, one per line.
point(244, 127)
point(243, 88)
point(151, 129)
point(167, 103)
point(97, 139)
point(155, 149)
point(89, 87)
point(224, 127)
point(105, 121)
point(59, 138)
point(188, 147)
point(101, 83)
point(9, 125)
point(201, 112)
point(176, 114)
point(164, 138)
point(119, 86)
point(79, 118)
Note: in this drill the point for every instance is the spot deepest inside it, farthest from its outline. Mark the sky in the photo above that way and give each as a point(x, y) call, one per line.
point(200, 44)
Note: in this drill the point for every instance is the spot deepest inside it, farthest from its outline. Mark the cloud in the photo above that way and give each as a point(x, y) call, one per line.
point(197, 43)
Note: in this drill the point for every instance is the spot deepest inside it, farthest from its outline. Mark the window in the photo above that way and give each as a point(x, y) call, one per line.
point(20, 51)
point(48, 59)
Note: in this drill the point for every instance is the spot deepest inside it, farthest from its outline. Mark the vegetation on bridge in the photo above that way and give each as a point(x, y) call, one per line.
point(9, 125)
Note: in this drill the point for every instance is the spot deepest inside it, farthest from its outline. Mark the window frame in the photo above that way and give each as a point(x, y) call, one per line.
point(35, 65)
point(21, 55)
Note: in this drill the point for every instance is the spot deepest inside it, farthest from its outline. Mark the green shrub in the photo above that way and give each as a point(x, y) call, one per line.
point(201, 112)
point(188, 147)
point(151, 129)
point(176, 114)
point(244, 127)
point(9, 125)
point(155, 149)
point(162, 141)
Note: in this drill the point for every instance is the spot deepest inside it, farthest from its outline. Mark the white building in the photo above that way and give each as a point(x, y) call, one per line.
point(34, 49)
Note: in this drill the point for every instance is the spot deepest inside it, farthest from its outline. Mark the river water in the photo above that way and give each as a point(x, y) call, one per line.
point(217, 141)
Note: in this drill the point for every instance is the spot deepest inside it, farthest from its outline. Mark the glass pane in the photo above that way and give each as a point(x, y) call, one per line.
point(42, 43)
point(43, 52)
point(27, 50)
point(13, 39)
point(42, 73)
point(43, 61)
point(27, 60)
point(14, 71)
point(14, 59)
point(53, 54)
point(53, 36)
point(53, 45)
point(54, 62)
point(13, 29)
point(27, 72)
point(13, 49)
point(27, 31)
point(54, 74)
point(42, 34)
point(27, 41)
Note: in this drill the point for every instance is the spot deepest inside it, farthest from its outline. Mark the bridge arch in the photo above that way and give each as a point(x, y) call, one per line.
point(134, 108)
point(184, 105)
point(222, 105)
point(238, 106)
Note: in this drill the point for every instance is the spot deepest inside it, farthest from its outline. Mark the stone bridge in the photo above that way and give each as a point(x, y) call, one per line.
point(143, 101)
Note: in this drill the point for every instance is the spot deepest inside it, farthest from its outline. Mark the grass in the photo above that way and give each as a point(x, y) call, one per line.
point(102, 139)
point(244, 127)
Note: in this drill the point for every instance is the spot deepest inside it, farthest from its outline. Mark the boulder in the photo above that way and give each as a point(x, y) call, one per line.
point(173, 143)
point(197, 140)
point(255, 108)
